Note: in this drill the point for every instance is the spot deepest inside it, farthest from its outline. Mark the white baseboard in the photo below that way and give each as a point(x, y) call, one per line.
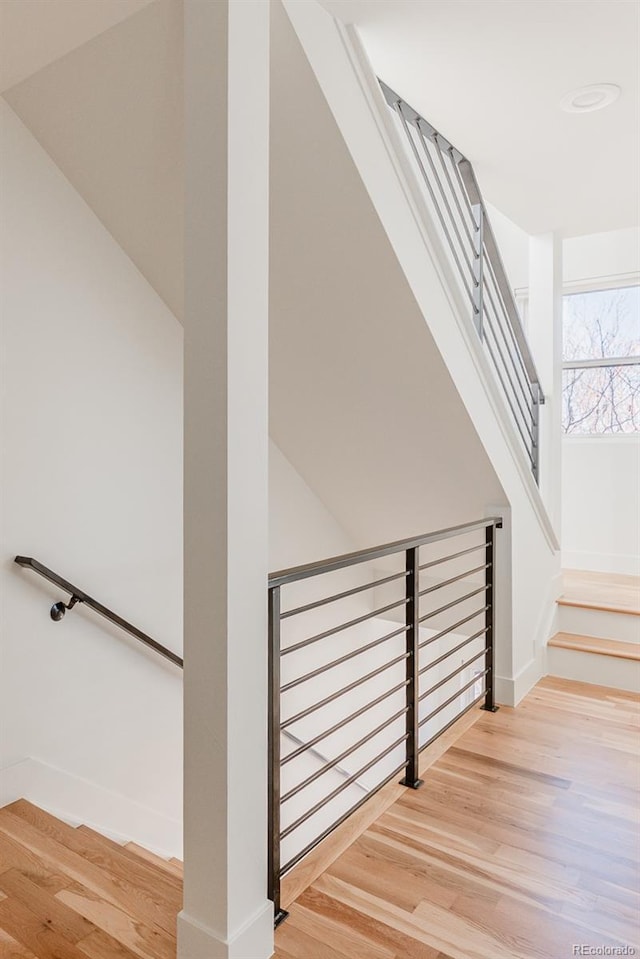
point(627, 565)
point(254, 939)
point(512, 690)
point(77, 801)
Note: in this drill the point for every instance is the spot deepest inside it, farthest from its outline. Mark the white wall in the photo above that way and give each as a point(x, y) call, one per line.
point(365, 123)
point(601, 503)
point(91, 486)
point(610, 257)
point(601, 474)
point(514, 246)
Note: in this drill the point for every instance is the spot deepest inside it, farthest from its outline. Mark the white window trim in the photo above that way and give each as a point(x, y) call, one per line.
point(614, 282)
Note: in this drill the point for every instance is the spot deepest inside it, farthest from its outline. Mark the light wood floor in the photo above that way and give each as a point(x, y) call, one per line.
point(522, 843)
point(609, 591)
point(70, 893)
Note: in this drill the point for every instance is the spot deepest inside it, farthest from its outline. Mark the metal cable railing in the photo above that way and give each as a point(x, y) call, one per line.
point(455, 202)
point(372, 695)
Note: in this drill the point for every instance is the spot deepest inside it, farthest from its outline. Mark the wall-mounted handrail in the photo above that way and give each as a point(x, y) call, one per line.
point(454, 199)
point(79, 596)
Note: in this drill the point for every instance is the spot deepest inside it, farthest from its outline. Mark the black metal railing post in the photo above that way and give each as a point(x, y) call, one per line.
point(490, 619)
point(274, 755)
point(412, 776)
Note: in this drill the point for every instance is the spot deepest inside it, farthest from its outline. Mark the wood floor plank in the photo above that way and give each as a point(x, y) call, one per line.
point(37, 933)
point(101, 851)
point(165, 865)
point(101, 946)
point(10, 949)
point(13, 855)
point(131, 933)
point(522, 842)
point(58, 857)
point(69, 924)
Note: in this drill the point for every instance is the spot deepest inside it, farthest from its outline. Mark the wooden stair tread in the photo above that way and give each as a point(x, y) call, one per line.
point(591, 644)
point(128, 851)
point(71, 893)
point(100, 850)
point(146, 905)
point(608, 592)
point(165, 865)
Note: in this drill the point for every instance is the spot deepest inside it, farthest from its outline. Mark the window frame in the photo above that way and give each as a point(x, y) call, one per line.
point(600, 285)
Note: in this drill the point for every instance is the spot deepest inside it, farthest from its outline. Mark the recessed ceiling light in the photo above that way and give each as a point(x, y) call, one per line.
point(594, 97)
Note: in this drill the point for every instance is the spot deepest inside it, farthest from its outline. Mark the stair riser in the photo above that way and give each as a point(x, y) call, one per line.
point(593, 668)
point(597, 622)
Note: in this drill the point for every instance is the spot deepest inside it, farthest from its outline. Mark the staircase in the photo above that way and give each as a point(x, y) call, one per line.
point(69, 893)
point(599, 636)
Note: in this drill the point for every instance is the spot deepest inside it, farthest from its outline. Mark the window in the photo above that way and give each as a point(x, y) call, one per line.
point(601, 362)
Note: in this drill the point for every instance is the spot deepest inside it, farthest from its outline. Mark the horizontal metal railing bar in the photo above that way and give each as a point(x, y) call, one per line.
point(342, 659)
point(343, 722)
point(524, 405)
point(336, 792)
point(491, 280)
point(525, 442)
point(452, 675)
point(30, 563)
point(442, 153)
point(443, 194)
point(339, 629)
point(455, 719)
point(507, 362)
point(449, 629)
point(296, 739)
point(445, 559)
point(343, 755)
point(448, 701)
point(508, 336)
point(600, 362)
point(425, 176)
point(454, 602)
point(343, 818)
point(456, 649)
point(471, 185)
point(340, 692)
point(343, 595)
point(454, 579)
point(282, 577)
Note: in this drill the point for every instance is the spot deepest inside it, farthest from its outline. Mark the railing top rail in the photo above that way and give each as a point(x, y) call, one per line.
point(284, 576)
point(474, 195)
point(81, 596)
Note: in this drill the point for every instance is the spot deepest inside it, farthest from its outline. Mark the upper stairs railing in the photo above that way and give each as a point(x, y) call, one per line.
point(455, 202)
point(372, 673)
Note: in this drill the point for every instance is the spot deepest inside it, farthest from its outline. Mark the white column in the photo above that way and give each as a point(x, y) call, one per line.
point(545, 336)
point(226, 913)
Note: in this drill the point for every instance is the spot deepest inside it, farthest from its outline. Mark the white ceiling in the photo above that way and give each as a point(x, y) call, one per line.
point(490, 74)
point(34, 33)
point(100, 86)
